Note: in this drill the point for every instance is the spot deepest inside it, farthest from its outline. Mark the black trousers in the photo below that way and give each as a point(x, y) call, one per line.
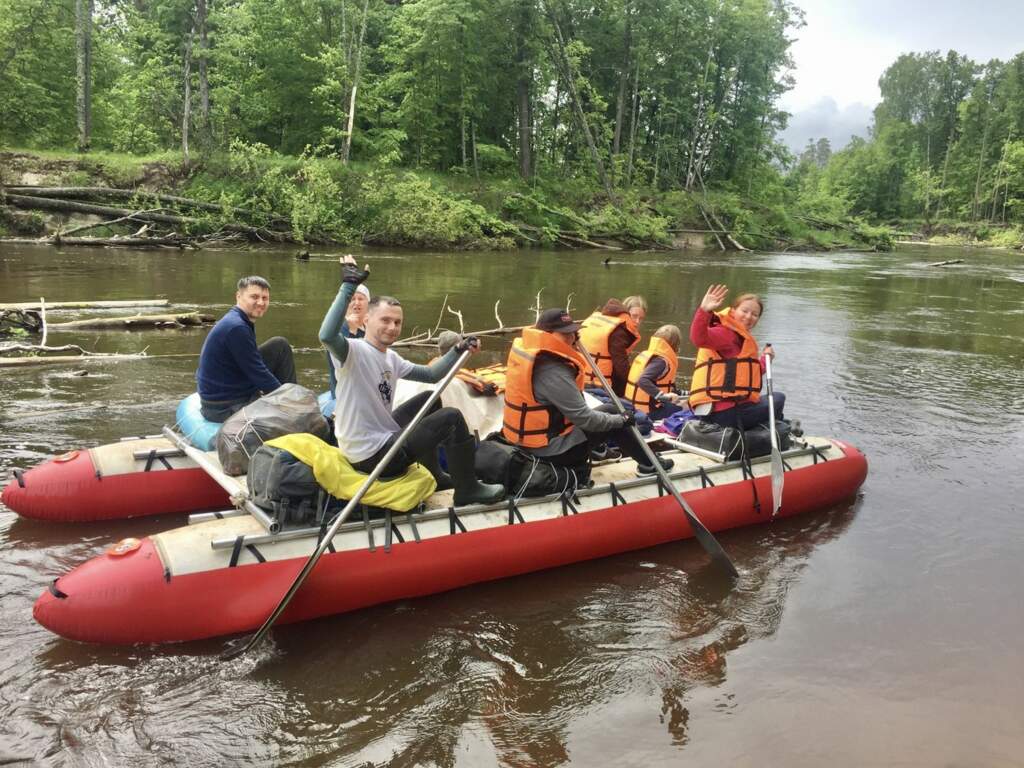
point(440, 425)
point(579, 454)
point(280, 360)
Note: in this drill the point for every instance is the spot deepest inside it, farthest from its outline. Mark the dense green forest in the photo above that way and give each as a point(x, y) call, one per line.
point(450, 122)
point(946, 150)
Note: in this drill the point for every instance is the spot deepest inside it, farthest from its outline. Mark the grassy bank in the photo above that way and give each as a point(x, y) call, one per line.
point(323, 201)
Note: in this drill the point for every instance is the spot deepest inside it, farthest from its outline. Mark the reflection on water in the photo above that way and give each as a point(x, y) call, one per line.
point(884, 631)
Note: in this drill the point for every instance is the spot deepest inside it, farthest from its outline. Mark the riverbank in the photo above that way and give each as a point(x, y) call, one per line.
point(253, 193)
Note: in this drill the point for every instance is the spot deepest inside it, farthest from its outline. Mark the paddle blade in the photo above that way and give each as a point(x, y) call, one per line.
point(236, 647)
point(712, 547)
point(778, 480)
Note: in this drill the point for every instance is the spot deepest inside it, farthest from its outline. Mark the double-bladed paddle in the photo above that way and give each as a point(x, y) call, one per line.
point(709, 542)
point(778, 478)
point(241, 645)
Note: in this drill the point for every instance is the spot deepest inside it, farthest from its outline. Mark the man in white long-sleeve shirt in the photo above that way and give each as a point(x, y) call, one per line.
point(365, 423)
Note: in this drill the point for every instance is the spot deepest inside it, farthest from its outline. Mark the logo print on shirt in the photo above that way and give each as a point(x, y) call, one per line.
point(384, 387)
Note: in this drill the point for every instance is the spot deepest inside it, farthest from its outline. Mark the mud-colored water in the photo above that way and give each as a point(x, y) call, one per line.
point(882, 632)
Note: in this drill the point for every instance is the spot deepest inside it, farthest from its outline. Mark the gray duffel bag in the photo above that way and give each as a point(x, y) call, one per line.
point(288, 409)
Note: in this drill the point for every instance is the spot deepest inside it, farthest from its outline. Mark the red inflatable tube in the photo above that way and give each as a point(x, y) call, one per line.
point(69, 489)
point(128, 598)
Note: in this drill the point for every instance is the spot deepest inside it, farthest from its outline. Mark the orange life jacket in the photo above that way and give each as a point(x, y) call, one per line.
point(594, 335)
point(657, 348)
point(716, 378)
point(489, 380)
point(527, 423)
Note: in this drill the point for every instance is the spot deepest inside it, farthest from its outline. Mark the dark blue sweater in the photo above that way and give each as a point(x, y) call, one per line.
point(230, 365)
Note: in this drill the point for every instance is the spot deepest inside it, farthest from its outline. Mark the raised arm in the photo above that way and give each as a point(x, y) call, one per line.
point(704, 332)
point(331, 328)
point(433, 373)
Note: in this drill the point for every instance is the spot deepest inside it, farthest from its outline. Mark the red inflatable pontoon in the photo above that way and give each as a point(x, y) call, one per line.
point(225, 576)
point(131, 478)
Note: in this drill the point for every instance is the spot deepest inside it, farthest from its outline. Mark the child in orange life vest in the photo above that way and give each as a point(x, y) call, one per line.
point(726, 385)
point(651, 385)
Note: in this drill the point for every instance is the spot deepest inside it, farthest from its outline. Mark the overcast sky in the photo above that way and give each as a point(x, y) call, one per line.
point(847, 44)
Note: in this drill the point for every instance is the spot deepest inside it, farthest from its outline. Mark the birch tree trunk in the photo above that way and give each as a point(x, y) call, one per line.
point(83, 96)
point(634, 117)
point(698, 120)
point(524, 81)
point(567, 74)
point(476, 164)
point(186, 107)
point(347, 150)
point(945, 168)
point(204, 82)
point(975, 205)
point(620, 104)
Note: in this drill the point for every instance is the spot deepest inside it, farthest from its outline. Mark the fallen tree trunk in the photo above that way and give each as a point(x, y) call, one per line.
point(101, 193)
point(124, 242)
point(588, 243)
point(89, 304)
point(137, 321)
point(945, 263)
point(21, 362)
point(65, 206)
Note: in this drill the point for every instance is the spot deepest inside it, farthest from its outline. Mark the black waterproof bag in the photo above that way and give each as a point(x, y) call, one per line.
point(522, 474)
point(286, 488)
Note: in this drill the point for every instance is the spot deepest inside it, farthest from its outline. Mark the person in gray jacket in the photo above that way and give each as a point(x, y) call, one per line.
point(545, 413)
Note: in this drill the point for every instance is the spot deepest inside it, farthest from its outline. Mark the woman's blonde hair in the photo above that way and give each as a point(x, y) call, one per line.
point(635, 301)
point(748, 296)
point(671, 334)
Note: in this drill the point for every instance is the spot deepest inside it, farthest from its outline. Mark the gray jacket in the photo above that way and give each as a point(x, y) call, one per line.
point(555, 385)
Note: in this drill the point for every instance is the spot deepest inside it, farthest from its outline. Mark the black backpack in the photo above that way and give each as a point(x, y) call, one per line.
point(523, 475)
point(286, 488)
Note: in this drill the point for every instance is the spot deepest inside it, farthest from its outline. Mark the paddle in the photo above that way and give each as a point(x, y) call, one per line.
point(710, 544)
point(241, 645)
point(777, 469)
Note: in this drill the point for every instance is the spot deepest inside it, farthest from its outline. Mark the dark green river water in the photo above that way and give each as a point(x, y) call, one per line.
point(882, 632)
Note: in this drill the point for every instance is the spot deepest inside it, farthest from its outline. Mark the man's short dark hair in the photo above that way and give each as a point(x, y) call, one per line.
point(387, 301)
point(251, 280)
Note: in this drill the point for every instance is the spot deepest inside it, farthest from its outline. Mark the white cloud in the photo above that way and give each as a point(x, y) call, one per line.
point(845, 47)
point(826, 120)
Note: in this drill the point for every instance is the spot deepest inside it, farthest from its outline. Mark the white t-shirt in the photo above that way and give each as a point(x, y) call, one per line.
point(366, 387)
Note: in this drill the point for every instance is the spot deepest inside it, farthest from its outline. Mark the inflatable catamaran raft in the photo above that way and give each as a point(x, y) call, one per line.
point(225, 572)
point(149, 475)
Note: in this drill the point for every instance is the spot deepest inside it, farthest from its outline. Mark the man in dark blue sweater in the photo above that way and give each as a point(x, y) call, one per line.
point(233, 371)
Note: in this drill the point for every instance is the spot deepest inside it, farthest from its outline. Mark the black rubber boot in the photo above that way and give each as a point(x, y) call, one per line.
point(442, 478)
point(469, 490)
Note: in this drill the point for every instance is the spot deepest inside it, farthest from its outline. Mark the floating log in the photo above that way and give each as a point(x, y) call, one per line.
point(89, 304)
point(113, 304)
point(22, 362)
point(124, 242)
point(137, 321)
point(945, 263)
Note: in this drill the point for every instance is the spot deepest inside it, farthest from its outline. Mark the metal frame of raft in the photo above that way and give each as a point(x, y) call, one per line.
point(176, 586)
point(391, 521)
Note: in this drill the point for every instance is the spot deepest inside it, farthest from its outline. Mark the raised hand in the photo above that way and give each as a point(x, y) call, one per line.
point(350, 271)
point(714, 297)
point(472, 343)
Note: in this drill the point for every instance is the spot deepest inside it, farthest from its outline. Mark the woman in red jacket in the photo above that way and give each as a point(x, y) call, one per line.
point(726, 385)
